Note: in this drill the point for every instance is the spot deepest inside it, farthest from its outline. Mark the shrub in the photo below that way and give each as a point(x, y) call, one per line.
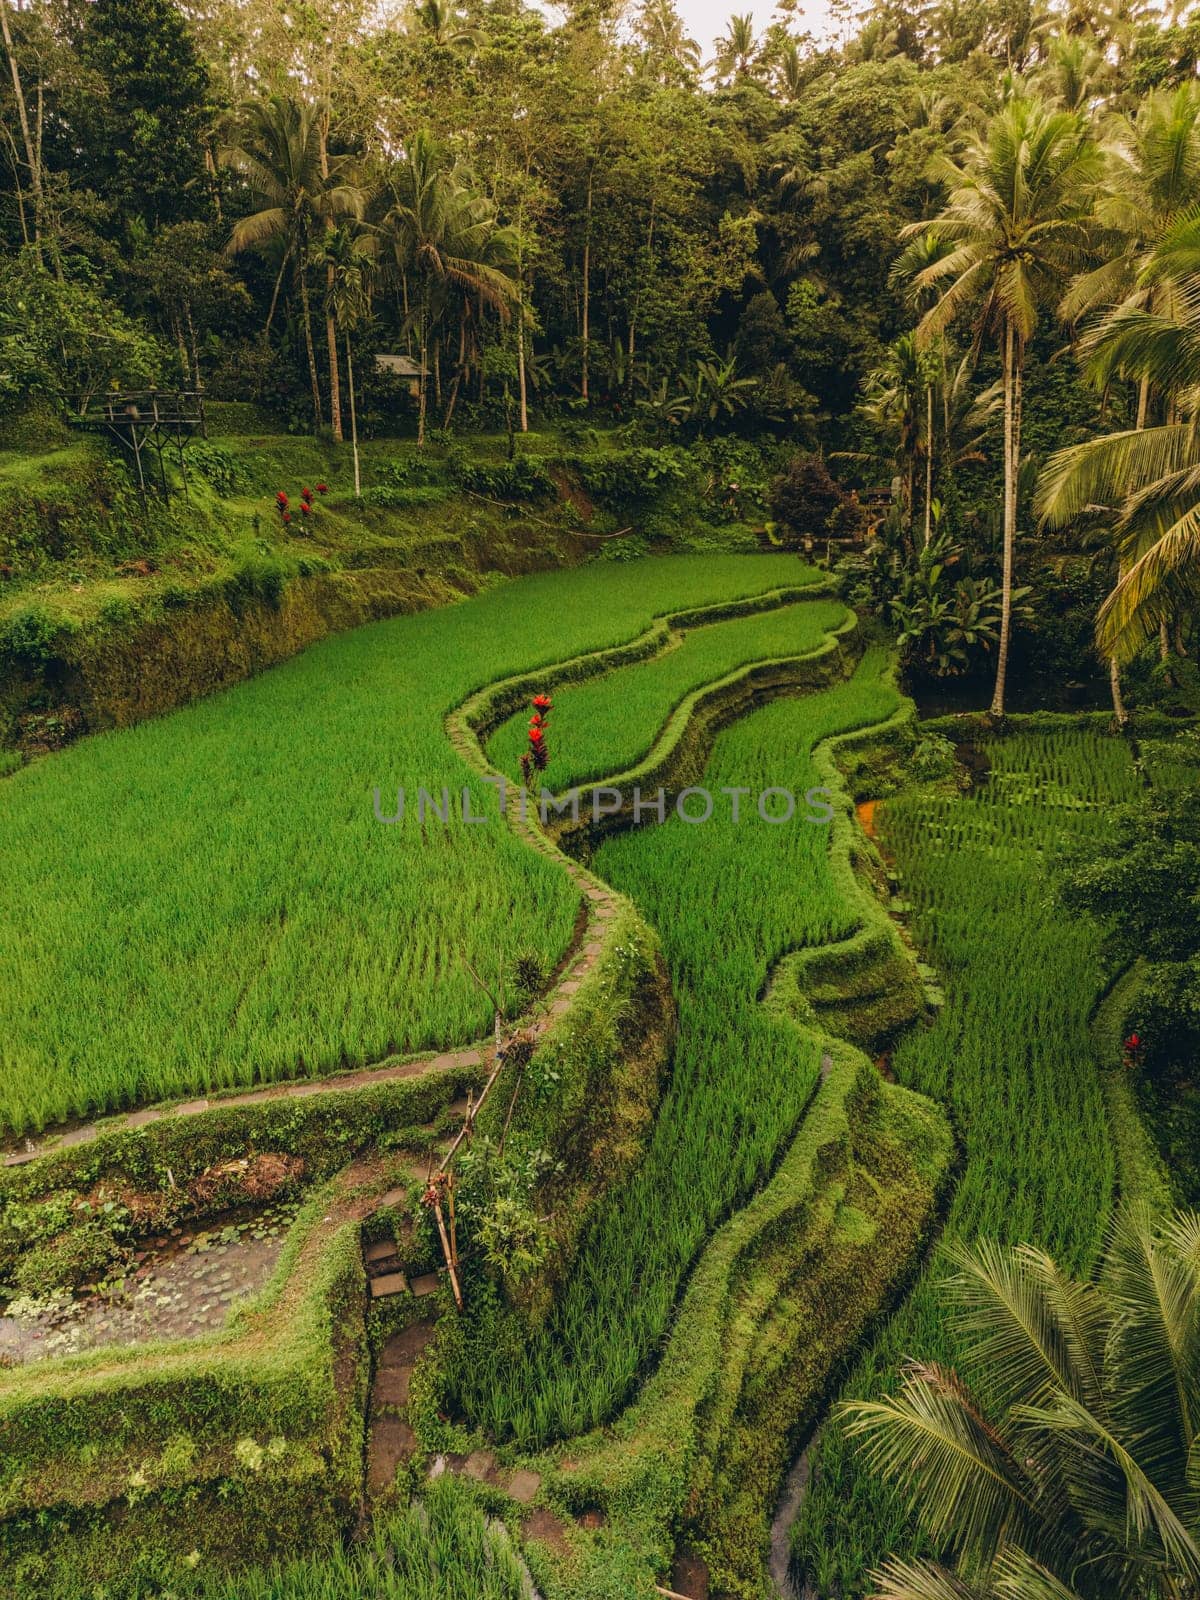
point(259, 578)
point(85, 1254)
point(806, 498)
point(216, 466)
point(28, 639)
point(522, 478)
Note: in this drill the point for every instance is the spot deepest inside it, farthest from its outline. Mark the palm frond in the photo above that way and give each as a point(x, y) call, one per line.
point(937, 1449)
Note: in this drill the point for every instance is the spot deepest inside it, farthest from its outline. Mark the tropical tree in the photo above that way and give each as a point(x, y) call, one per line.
point(1018, 221)
point(442, 23)
point(736, 47)
point(1145, 481)
point(296, 191)
point(351, 251)
point(1069, 1474)
point(444, 237)
point(899, 406)
point(1153, 180)
point(671, 51)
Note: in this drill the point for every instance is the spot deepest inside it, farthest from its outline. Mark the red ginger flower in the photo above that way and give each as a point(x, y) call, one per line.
point(281, 499)
point(541, 702)
point(322, 488)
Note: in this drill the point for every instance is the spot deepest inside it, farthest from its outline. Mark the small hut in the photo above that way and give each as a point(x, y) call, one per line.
point(410, 372)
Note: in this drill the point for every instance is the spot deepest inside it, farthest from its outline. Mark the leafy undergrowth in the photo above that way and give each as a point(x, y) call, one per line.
point(1010, 1055)
point(442, 1546)
point(729, 899)
point(207, 900)
point(600, 727)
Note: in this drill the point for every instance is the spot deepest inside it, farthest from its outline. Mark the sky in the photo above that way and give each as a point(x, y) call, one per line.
point(706, 19)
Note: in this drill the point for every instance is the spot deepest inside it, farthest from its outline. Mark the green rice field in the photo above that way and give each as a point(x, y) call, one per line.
point(603, 726)
point(1010, 1055)
point(207, 900)
point(728, 900)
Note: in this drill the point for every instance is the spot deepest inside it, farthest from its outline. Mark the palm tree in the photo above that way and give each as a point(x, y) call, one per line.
point(1072, 1475)
point(736, 47)
point(440, 22)
point(446, 237)
point(660, 29)
point(1017, 219)
point(350, 253)
point(898, 404)
point(296, 192)
point(1146, 480)
point(1154, 176)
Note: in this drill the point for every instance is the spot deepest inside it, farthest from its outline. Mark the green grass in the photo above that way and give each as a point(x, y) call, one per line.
point(728, 901)
point(1010, 1055)
point(603, 726)
point(207, 901)
point(440, 1547)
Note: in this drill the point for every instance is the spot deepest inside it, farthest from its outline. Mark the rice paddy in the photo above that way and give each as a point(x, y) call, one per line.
point(1010, 1055)
point(207, 901)
point(728, 900)
point(604, 726)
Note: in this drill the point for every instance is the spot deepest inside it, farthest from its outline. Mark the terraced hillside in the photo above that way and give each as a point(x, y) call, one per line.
point(207, 901)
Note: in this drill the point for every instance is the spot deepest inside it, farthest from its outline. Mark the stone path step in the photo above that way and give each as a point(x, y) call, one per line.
point(390, 1438)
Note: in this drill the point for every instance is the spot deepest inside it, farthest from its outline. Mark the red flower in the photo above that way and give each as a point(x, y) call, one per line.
point(306, 494)
point(541, 702)
point(287, 516)
point(1134, 1042)
point(536, 736)
point(281, 499)
point(322, 488)
point(305, 507)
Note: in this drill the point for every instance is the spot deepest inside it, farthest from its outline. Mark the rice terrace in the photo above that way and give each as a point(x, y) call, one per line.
point(599, 860)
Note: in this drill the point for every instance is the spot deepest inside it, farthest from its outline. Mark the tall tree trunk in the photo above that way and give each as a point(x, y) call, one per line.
point(522, 389)
point(306, 312)
point(423, 380)
point(275, 293)
point(1114, 682)
point(460, 365)
point(928, 465)
point(1011, 450)
point(335, 384)
point(587, 274)
point(353, 417)
point(31, 157)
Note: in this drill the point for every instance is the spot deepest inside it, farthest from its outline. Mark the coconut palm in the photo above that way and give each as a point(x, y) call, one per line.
point(445, 237)
point(1154, 177)
point(1071, 1474)
point(660, 28)
point(441, 22)
point(898, 404)
point(1018, 219)
point(296, 192)
point(736, 47)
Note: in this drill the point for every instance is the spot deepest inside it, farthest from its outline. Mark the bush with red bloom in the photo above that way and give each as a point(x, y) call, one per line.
point(306, 496)
point(305, 508)
point(322, 488)
point(537, 757)
point(1131, 1049)
point(281, 500)
point(287, 516)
